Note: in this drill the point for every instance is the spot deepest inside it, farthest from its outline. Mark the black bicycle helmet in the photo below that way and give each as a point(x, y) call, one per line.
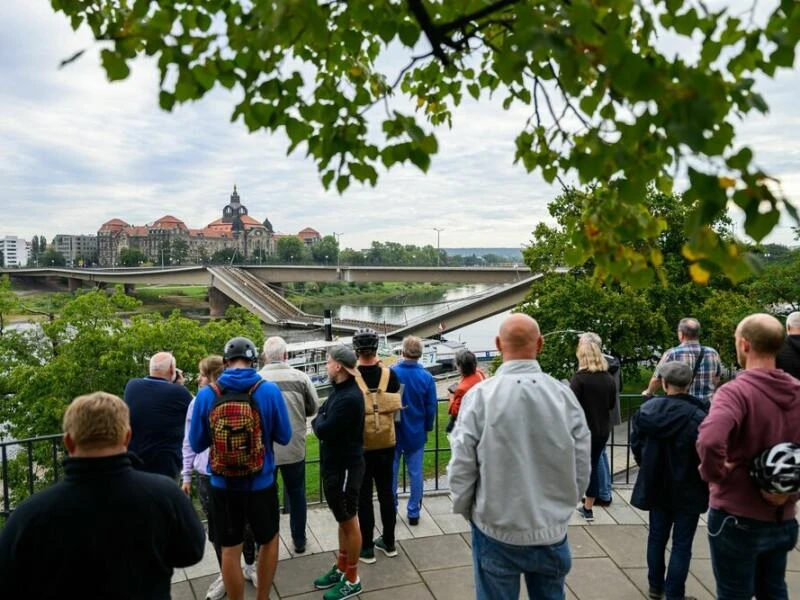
point(240, 347)
point(365, 340)
point(777, 470)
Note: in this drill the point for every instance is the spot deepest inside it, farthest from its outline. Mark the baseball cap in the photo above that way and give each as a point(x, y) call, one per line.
point(676, 372)
point(346, 357)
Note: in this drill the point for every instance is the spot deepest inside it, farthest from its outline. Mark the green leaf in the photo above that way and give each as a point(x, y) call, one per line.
point(420, 159)
point(342, 183)
point(409, 33)
point(166, 100)
point(474, 90)
point(114, 65)
point(327, 178)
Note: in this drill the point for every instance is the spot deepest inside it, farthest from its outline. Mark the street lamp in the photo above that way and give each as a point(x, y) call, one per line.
point(438, 231)
point(338, 248)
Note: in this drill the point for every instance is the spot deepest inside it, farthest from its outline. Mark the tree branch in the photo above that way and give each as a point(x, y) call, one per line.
point(431, 31)
point(478, 14)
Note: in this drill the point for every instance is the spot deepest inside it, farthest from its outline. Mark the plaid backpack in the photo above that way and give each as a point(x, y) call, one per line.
point(237, 446)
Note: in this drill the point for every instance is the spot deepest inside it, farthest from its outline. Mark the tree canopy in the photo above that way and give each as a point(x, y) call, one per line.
point(610, 106)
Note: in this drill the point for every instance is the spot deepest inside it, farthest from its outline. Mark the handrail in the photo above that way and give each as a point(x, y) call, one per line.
point(35, 462)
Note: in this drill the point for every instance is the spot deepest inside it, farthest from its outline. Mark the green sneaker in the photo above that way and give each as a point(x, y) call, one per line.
point(345, 589)
point(367, 555)
point(330, 579)
point(390, 551)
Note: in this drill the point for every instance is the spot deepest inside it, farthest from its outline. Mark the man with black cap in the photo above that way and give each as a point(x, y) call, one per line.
point(339, 425)
point(239, 417)
point(663, 435)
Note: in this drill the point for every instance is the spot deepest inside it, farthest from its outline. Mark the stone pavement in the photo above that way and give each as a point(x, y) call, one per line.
point(434, 562)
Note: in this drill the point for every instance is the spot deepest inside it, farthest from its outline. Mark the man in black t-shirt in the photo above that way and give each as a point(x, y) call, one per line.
point(158, 405)
point(378, 464)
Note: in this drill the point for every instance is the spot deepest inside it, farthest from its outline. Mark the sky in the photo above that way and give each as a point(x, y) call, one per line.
point(76, 151)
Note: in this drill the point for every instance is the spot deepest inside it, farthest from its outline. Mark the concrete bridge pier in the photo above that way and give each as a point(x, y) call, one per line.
point(218, 302)
point(74, 284)
point(129, 288)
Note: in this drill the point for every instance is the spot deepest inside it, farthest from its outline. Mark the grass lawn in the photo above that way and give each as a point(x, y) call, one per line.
point(429, 462)
point(154, 292)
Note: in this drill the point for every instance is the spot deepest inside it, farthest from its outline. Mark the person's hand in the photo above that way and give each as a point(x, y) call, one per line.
point(186, 486)
point(646, 392)
point(775, 499)
point(179, 378)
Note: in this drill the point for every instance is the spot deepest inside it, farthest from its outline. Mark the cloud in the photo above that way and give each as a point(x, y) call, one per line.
point(77, 151)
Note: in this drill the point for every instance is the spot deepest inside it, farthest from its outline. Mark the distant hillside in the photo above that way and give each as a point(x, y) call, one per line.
point(510, 253)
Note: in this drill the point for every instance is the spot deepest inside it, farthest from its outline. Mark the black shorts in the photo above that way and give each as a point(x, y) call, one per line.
point(341, 491)
point(232, 509)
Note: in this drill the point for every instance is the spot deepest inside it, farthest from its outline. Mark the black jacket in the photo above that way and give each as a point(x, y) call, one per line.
point(104, 531)
point(597, 393)
point(788, 357)
point(663, 437)
point(339, 425)
point(158, 417)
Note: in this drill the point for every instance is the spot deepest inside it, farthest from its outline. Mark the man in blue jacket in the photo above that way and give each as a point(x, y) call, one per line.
point(663, 436)
point(419, 412)
point(252, 499)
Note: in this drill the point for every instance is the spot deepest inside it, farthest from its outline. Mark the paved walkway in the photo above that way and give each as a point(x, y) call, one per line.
point(435, 562)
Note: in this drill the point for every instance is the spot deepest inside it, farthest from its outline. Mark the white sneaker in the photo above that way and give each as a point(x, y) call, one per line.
point(216, 591)
point(249, 572)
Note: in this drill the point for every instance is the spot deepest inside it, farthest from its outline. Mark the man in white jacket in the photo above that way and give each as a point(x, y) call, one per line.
point(520, 463)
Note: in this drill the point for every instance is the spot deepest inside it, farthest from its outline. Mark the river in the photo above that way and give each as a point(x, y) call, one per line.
point(398, 310)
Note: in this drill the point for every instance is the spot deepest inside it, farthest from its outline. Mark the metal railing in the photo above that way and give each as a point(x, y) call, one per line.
point(27, 466)
point(32, 464)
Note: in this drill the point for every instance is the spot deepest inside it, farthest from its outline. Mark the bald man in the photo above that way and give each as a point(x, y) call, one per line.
point(750, 532)
point(520, 463)
point(158, 405)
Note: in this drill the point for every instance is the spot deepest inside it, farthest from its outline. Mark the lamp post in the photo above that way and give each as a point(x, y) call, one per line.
point(338, 249)
point(438, 231)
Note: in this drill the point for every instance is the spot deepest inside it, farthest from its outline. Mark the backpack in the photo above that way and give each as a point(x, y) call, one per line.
point(379, 410)
point(237, 445)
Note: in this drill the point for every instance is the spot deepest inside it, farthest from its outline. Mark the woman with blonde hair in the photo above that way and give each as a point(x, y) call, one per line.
point(597, 393)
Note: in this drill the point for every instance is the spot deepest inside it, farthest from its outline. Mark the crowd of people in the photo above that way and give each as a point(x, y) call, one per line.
point(527, 451)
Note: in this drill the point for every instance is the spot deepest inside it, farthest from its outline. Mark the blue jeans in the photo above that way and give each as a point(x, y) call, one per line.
point(498, 566)
point(604, 477)
point(749, 556)
point(683, 526)
point(598, 445)
point(414, 467)
point(294, 479)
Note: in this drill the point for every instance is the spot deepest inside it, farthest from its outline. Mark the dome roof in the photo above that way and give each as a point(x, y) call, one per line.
point(114, 225)
point(169, 222)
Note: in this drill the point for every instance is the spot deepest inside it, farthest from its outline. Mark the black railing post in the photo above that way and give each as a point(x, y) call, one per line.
point(55, 460)
point(30, 466)
point(6, 499)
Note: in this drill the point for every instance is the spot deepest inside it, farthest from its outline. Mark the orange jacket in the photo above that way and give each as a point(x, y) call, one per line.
point(463, 387)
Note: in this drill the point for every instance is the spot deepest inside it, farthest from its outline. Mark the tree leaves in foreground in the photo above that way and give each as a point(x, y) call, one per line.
point(608, 104)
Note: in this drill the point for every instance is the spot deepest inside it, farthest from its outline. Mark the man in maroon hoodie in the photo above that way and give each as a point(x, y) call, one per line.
point(750, 532)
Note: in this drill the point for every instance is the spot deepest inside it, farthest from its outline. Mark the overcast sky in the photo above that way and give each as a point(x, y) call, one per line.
point(76, 151)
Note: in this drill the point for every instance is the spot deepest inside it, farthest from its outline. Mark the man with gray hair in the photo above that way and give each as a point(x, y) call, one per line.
point(418, 415)
point(788, 358)
point(302, 401)
point(158, 405)
point(704, 361)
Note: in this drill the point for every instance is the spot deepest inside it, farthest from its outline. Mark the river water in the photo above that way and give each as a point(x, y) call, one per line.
point(400, 309)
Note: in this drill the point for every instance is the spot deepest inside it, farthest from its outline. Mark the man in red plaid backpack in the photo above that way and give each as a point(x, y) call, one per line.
point(239, 418)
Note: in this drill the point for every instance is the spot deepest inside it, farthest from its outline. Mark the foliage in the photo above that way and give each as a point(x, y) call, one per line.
point(131, 257)
point(326, 250)
point(51, 258)
point(779, 285)
point(291, 249)
point(227, 256)
point(179, 254)
point(8, 301)
point(608, 104)
point(635, 324)
point(89, 347)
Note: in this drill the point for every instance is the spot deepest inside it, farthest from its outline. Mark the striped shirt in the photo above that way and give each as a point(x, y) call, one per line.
point(708, 372)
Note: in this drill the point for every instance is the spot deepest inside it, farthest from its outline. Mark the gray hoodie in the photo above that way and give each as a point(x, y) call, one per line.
point(520, 456)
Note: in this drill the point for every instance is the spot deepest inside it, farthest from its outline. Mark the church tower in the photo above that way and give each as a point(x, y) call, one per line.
point(234, 211)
